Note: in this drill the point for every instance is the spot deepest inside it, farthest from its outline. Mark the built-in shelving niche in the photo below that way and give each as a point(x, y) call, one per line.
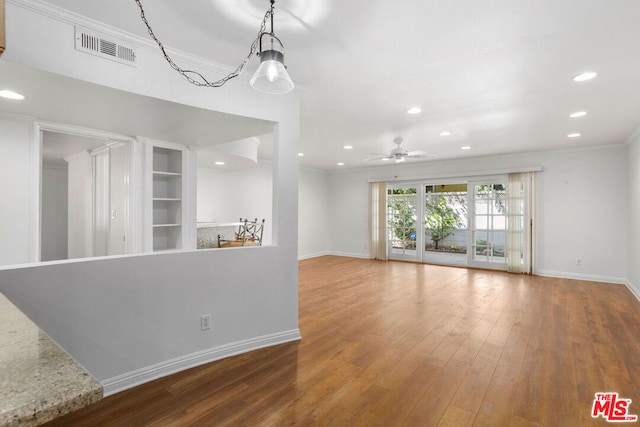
point(167, 199)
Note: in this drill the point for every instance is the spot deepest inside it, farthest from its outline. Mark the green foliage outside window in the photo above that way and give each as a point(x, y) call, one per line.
point(401, 218)
point(441, 220)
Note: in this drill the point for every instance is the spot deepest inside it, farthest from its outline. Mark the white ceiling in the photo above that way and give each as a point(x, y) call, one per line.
point(56, 147)
point(497, 74)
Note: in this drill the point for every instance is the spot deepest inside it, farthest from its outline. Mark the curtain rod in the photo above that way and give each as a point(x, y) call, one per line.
point(458, 174)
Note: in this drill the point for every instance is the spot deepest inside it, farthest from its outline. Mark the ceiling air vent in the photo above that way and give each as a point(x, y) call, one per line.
point(105, 47)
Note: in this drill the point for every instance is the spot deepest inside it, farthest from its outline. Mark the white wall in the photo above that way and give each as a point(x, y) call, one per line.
point(228, 196)
point(122, 315)
point(582, 207)
point(16, 216)
point(633, 239)
point(131, 319)
point(118, 211)
point(80, 210)
point(54, 212)
point(313, 212)
point(349, 212)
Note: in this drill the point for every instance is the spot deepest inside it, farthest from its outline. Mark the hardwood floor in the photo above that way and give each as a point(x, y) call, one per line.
point(402, 344)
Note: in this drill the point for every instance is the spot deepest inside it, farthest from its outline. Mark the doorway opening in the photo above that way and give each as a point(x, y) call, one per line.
point(84, 198)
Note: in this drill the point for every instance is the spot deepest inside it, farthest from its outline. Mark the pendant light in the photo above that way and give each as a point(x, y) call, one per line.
point(271, 76)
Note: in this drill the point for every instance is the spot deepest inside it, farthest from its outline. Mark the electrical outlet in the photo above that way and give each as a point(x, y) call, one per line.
point(578, 261)
point(205, 322)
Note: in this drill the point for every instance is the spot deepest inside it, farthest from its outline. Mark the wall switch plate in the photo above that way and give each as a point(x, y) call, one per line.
point(205, 322)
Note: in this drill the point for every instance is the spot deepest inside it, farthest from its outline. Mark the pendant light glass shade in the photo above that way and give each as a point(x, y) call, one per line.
point(271, 76)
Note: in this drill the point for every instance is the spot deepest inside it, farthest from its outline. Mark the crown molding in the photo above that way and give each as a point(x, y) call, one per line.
point(71, 18)
point(633, 137)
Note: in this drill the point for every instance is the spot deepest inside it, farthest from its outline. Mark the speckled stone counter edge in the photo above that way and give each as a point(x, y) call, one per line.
point(34, 392)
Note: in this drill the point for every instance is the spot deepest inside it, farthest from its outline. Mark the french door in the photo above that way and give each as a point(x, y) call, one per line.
point(445, 223)
point(462, 224)
point(487, 225)
point(403, 227)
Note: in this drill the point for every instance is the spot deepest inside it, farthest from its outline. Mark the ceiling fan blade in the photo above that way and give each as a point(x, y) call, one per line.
point(416, 153)
point(382, 157)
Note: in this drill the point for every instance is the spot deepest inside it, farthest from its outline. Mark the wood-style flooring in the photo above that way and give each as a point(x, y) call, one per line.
point(404, 344)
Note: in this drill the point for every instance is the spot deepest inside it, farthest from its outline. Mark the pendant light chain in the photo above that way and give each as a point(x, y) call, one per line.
point(198, 79)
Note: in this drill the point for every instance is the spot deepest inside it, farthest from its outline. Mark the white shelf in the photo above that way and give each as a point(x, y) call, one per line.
point(167, 160)
point(167, 198)
point(163, 173)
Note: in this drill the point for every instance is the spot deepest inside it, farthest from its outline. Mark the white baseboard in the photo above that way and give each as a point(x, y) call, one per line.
point(634, 290)
point(140, 376)
point(343, 254)
point(579, 276)
point(350, 255)
point(314, 255)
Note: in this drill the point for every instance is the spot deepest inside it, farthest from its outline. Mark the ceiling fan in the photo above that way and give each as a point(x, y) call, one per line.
point(399, 154)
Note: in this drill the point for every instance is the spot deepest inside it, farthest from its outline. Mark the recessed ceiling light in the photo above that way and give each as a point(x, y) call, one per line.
point(219, 163)
point(348, 147)
point(9, 94)
point(300, 154)
point(466, 147)
point(578, 114)
point(340, 164)
point(445, 133)
point(585, 76)
point(414, 110)
point(385, 159)
point(573, 135)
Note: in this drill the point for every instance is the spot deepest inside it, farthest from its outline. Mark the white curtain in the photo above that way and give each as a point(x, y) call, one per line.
point(519, 222)
point(378, 215)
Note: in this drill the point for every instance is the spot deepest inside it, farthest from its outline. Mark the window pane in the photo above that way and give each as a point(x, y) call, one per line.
point(482, 222)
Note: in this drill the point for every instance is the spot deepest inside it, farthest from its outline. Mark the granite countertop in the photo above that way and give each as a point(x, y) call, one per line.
point(39, 381)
